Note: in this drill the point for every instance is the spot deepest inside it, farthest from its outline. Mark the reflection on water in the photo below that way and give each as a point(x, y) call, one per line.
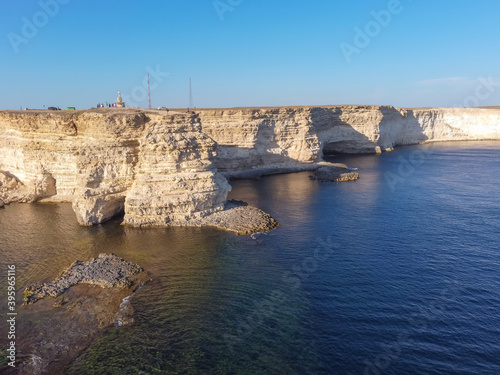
point(43, 239)
point(349, 268)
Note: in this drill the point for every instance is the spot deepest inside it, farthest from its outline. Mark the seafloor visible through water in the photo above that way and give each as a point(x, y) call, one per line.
point(396, 273)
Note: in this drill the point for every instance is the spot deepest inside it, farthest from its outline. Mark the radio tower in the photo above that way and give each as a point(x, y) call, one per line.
point(149, 94)
point(190, 94)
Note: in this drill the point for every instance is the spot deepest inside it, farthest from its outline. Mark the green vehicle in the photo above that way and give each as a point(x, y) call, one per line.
point(70, 108)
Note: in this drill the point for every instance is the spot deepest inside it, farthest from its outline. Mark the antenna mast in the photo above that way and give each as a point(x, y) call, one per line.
point(149, 94)
point(190, 94)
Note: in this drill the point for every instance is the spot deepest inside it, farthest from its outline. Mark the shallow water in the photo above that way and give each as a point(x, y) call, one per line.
point(396, 273)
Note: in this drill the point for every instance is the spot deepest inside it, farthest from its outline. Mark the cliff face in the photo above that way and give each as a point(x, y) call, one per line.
point(175, 181)
point(253, 137)
point(249, 138)
point(164, 169)
point(98, 159)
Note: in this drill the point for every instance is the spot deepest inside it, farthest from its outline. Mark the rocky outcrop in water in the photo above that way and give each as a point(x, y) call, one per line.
point(175, 180)
point(106, 271)
point(240, 218)
point(335, 172)
point(87, 297)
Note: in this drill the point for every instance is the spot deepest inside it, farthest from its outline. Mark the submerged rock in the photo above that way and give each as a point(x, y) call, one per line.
point(106, 271)
point(90, 296)
point(1, 204)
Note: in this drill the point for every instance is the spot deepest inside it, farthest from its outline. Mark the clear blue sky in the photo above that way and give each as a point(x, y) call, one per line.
point(250, 53)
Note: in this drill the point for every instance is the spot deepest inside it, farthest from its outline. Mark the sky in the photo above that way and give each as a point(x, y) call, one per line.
point(241, 53)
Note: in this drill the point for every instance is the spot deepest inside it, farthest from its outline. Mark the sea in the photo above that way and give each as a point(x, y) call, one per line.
point(395, 273)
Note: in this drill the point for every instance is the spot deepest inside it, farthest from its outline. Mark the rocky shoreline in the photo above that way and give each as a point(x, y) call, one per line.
point(233, 216)
point(87, 297)
point(162, 169)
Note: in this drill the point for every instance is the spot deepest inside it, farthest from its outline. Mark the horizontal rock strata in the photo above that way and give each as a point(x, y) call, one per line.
point(155, 167)
point(175, 180)
point(162, 169)
point(252, 138)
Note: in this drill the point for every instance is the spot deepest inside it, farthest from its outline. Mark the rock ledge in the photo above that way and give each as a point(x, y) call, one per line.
point(336, 172)
point(240, 218)
point(106, 271)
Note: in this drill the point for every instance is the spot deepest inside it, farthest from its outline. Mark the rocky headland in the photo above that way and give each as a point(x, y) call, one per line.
point(161, 169)
point(156, 168)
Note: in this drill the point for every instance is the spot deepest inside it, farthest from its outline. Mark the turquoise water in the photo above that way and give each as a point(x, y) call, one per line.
point(396, 273)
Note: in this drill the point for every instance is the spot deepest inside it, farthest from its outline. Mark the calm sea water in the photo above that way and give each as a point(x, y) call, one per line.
point(396, 273)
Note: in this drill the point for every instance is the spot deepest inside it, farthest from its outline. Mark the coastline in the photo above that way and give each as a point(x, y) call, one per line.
point(87, 292)
point(173, 169)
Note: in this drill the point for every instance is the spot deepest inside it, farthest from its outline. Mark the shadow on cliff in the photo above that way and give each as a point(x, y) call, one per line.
point(332, 130)
point(266, 152)
point(369, 129)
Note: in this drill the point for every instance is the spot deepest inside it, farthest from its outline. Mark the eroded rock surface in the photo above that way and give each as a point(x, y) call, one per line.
point(87, 297)
point(250, 138)
point(175, 179)
point(106, 271)
point(240, 218)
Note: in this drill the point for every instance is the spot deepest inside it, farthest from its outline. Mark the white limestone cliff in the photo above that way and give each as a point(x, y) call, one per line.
point(166, 169)
point(175, 180)
point(96, 159)
point(252, 138)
